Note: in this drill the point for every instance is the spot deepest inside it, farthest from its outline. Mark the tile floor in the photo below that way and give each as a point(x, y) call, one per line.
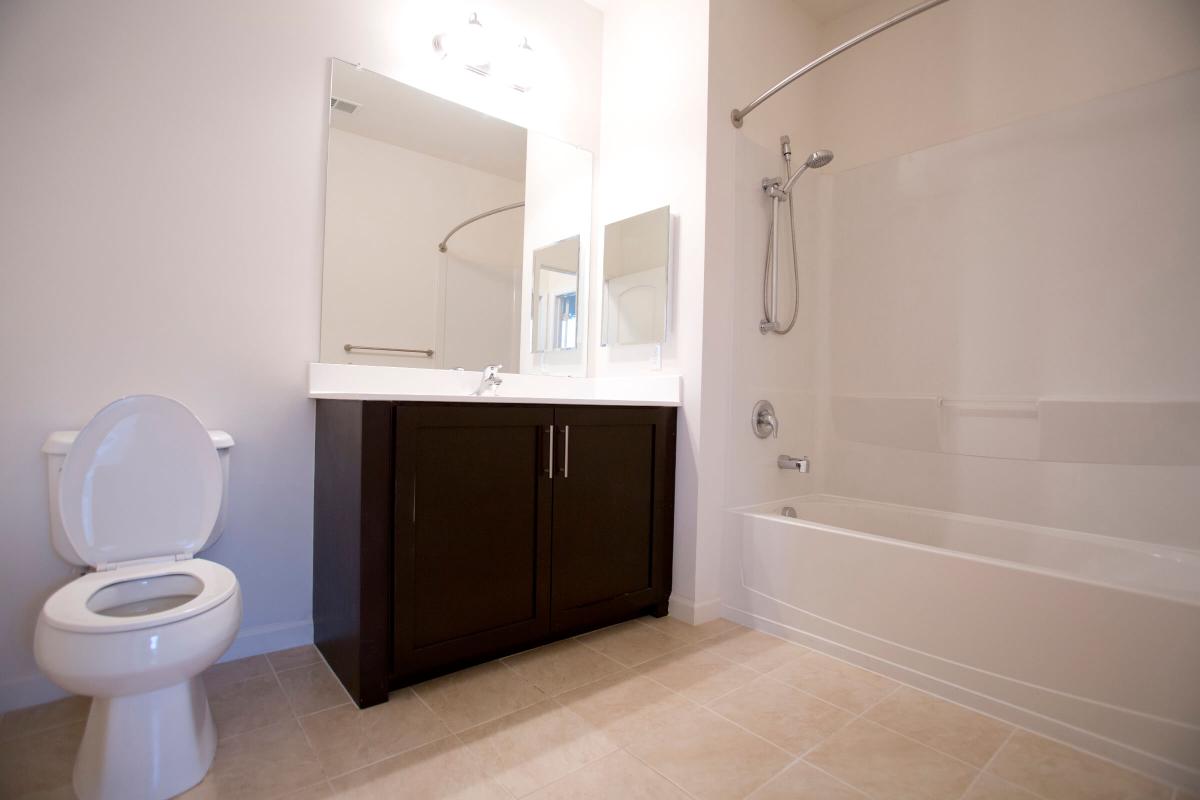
point(647, 709)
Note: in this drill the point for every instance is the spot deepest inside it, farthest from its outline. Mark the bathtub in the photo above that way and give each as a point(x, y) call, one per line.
point(1089, 639)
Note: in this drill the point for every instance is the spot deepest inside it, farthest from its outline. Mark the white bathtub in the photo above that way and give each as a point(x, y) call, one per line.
point(1090, 639)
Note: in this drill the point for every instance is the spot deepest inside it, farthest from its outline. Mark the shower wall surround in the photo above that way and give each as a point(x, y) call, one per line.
point(1040, 280)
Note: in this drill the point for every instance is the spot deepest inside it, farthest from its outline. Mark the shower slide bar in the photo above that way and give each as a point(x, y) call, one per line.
point(739, 114)
point(476, 218)
point(350, 348)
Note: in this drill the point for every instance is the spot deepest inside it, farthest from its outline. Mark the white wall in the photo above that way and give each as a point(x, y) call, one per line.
point(652, 153)
point(382, 268)
point(753, 44)
point(558, 205)
point(161, 220)
point(971, 65)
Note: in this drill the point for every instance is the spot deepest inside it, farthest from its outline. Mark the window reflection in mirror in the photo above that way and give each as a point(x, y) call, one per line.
point(636, 258)
point(556, 296)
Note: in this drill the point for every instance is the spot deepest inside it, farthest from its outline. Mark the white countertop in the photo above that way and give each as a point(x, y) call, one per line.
point(364, 382)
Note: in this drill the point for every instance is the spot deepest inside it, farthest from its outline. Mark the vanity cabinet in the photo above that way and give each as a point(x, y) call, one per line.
point(449, 533)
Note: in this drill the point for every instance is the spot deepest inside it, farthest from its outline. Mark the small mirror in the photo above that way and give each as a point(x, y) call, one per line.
point(637, 252)
point(556, 296)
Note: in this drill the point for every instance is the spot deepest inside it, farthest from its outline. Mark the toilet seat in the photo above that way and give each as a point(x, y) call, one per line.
point(142, 480)
point(67, 609)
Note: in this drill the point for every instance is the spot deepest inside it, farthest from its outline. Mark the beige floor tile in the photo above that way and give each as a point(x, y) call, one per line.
point(888, 766)
point(532, 747)
point(1058, 772)
point(443, 769)
point(247, 705)
point(294, 657)
point(219, 676)
point(618, 775)
point(209, 790)
point(271, 762)
point(758, 651)
point(691, 634)
point(563, 665)
point(710, 757)
point(346, 738)
point(1184, 794)
point(803, 781)
point(479, 694)
point(312, 688)
point(321, 791)
point(39, 764)
point(785, 716)
point(834, 681)
point(621, 704)
point(697, 673)
point(631, 643)
point(36, 719)
point(989, 787)
point(942, 725)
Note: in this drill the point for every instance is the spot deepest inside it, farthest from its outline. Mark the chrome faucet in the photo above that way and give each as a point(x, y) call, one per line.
point(490, 380)
point(798, 464)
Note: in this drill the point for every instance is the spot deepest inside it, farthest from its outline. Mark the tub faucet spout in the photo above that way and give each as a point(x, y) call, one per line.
point(798, 464)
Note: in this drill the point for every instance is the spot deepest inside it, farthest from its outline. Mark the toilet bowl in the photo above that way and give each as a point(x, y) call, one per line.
point(135, 495)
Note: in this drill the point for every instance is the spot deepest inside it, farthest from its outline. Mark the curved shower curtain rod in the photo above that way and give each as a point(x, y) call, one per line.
point(476, 218)
point(739, 114)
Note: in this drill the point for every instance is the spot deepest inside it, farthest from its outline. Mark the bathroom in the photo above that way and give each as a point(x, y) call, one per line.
point(978, 575)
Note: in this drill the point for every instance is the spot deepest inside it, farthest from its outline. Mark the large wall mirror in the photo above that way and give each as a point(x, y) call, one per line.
point(637, 256)
point(436, 217)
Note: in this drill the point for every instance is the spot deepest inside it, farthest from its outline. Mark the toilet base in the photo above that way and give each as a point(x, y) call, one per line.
point(149, 746)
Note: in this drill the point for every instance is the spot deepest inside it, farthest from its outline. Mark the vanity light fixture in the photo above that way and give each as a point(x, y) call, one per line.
point(477, 48)
point(468, 45)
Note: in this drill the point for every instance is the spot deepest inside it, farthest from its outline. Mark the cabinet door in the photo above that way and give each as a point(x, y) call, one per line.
point(472, 515)
point(613, 507)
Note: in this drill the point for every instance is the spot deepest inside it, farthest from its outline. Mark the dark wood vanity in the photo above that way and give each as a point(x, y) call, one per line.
point(446, 534)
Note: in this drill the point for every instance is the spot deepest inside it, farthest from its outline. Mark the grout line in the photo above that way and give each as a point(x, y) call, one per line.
point(832, 777)
point(658, 772)
point(987, 764)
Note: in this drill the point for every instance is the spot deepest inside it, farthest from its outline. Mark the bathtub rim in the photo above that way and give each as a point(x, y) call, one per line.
point(768, 511)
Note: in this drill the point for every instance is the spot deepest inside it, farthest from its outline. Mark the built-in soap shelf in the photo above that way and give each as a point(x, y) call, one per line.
point(1081, 430)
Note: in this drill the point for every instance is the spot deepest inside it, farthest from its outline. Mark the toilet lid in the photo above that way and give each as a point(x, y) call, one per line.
point(142, 479)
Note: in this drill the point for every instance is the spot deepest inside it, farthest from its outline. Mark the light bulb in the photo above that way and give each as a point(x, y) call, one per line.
point(517, 66)
point(469, 45)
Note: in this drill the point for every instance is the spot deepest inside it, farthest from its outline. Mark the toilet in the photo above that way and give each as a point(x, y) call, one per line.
point(135, 496)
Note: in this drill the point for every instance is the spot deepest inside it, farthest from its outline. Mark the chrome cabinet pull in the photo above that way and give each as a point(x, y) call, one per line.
point(550, 440)
point(566, 449)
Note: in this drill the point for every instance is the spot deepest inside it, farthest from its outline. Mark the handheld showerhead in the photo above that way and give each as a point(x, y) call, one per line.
point(815, 160)
point(818, 159)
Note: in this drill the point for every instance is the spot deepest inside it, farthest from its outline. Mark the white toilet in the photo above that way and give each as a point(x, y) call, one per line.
point(136, 494)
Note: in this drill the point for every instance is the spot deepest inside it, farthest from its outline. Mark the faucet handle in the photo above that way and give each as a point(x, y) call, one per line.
point(763, 421)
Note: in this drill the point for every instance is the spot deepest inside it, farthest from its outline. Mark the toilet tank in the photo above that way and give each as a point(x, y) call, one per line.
point(56, 447)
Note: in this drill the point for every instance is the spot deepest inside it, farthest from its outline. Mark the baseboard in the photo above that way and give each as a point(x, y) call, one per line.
point(35, 689)
point(694, 613)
